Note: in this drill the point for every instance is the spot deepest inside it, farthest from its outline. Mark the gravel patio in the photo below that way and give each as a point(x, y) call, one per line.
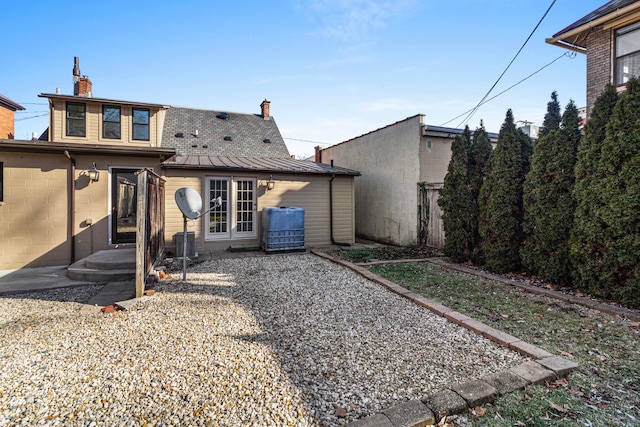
point(277, 340)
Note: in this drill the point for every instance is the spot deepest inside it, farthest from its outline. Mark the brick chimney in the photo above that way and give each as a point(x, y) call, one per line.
point(318, 158)
point(81, 85)
point(265, 109)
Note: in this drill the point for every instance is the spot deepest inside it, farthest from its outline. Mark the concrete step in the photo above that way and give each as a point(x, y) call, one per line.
point(112, 259)
point(106, 266)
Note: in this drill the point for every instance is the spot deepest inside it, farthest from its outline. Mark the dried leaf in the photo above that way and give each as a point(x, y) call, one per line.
point(565, 353)
point(562, 382)
point(506, 316)
point(340, 412)
point(558, 407)
point(634, 324)
point(479, 411)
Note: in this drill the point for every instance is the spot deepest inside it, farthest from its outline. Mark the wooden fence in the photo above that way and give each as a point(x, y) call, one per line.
point(430, 226)
point(150, 225)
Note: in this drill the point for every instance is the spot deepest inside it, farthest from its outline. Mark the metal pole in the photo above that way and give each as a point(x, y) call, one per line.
point(184, 250)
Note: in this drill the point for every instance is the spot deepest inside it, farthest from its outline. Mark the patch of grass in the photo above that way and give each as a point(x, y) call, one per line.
point(604, 391)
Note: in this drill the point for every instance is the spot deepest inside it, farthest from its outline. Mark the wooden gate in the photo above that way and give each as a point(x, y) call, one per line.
point(149, 226)
point(430, 226)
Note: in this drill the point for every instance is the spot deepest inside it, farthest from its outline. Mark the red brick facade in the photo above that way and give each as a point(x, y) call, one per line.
point(6, 123)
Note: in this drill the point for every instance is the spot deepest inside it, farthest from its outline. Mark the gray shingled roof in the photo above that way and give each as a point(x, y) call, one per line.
point(237, 135)
point(256, 164)
point(603, 10)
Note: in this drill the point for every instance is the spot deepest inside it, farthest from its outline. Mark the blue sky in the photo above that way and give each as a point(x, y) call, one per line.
point(332, 69)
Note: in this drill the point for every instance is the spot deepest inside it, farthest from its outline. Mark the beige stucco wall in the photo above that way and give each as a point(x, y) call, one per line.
point(58, 133)
point(434, 161)
point(34, 216)
point(33, 213)
point(386, 192)
point(308, 192)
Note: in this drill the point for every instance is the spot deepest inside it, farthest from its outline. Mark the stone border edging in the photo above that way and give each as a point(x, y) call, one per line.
point(460, 397)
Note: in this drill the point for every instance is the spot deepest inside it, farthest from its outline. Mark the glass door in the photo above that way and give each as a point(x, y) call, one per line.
point(124, 197)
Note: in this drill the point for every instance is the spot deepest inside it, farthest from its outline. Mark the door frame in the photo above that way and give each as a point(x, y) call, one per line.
point(232, 232)
point(111, 203)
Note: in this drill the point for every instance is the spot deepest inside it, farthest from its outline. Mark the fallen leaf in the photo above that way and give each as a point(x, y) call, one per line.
point(506, 316)
point(479, 411)
point(550, 287)
point(559, 383)
point(634, 324)
point(601, 357)
point(558, 407)
point(565, 353)
point(340, 412)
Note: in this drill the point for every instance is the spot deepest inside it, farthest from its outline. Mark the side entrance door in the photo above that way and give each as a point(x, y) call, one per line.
point(124, 196)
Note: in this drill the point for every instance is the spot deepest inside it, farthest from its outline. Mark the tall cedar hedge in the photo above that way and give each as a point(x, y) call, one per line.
point(587, 251)
point(501, 199)
point(549, 204)
point(479, 155)
point(457, 203)
point(619, 240)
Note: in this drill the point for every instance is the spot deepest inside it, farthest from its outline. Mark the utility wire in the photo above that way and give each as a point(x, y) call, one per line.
point(32, 117)
point(567, 54)
point(306, 140)
point(473, 111)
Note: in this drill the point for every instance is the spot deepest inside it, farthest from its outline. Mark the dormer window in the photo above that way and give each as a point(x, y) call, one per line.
point(76, 119)
point(140, 124)
point(111, 122)
point(627, 53)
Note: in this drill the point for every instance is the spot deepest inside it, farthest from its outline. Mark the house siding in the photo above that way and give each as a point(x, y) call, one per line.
point(58, 131)
point(308, 192)
point(599, 44)
point(34, 228)
point(385, 194)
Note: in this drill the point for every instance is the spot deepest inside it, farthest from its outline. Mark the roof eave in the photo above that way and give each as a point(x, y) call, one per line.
point(93, 149)
point(101, 100)
point(579, 33)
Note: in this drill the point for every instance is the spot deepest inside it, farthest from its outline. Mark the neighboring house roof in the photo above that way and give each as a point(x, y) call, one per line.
point(75, 148)
point(444, 132)
point(217, 133)
point(9, 104)
point(256, 164)
point(574, 36)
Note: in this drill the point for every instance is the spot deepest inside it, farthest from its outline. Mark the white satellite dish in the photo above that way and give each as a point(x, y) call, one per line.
point(189, 202)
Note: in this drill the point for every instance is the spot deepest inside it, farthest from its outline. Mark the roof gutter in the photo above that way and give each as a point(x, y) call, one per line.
point(72, 207)
point(560, 39)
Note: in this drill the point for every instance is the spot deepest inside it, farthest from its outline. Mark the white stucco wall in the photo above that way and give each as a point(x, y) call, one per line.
point(386, 192)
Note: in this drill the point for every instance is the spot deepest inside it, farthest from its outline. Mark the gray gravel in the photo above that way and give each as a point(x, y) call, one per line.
point(273, 341)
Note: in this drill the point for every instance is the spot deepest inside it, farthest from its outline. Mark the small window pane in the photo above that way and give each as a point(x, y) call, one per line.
point(76, 119)
point(141, 124)
point(111, 122)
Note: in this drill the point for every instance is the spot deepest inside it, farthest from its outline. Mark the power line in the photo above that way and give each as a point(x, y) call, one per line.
point(306, 140)
point(32, 117)
point(567, 54)
point(466, 120)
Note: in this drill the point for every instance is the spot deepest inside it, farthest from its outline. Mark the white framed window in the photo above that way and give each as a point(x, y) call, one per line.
point(627, 53)
point(235, 218)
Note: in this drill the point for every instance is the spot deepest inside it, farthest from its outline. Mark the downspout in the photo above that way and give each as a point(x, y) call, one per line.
point(72, 207)
point(333, 241)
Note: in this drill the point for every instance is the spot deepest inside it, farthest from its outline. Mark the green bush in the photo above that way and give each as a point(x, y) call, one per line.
point(457, 203)
point(586, 245)
point(501, 199)
point(618, 238)
point(548, 203)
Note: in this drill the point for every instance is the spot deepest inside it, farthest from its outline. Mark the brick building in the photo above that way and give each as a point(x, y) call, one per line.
point(7, 110)
point(610, 38)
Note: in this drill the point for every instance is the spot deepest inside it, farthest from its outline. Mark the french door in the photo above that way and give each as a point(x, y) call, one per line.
point(235, 217)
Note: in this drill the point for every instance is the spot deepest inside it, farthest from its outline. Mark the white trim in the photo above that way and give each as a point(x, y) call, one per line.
point(231, 203)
